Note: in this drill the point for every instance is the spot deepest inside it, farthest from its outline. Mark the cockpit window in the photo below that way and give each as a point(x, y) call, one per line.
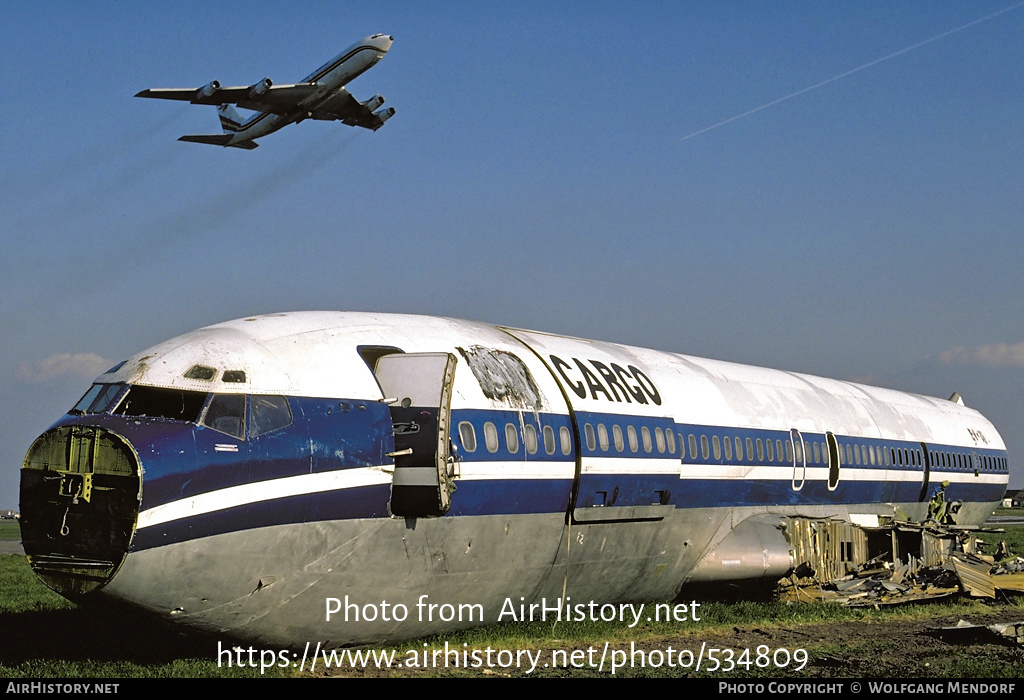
point(202, 372)
point(116, 367)
point(226, 414)
point(152, 402)
point(98, 399)
point(267, 413)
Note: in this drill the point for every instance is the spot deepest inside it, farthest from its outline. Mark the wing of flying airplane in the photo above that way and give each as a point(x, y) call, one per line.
point(282, 100)
point(261, 97)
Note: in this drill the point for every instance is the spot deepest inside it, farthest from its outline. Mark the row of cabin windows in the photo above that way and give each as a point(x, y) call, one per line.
point(817, 453)
point(763, 450)
point(766, 449)
point(467, 433)
point(664, 440)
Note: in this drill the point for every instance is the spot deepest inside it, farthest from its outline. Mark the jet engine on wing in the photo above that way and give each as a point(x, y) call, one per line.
point(384, 115)
point(207, 90)
point(374, 102)
point(259, 88)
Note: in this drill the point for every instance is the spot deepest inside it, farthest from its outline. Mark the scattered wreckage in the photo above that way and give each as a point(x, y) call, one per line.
point(888, 561)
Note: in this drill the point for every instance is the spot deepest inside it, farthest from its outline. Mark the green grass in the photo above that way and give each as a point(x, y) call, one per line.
point(1014, 538)
point(10, 530)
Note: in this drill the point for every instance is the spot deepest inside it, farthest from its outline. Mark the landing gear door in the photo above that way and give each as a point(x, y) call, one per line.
point(420, 385)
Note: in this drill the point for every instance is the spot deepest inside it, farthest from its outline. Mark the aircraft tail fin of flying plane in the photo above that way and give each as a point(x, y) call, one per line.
point(230, 120)
point(218, 140)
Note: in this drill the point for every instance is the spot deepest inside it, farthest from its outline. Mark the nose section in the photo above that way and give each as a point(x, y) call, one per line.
point(382, 41)
point(80, 494)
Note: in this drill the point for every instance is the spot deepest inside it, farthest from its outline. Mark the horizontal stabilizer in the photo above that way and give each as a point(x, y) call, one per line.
point(218, 140)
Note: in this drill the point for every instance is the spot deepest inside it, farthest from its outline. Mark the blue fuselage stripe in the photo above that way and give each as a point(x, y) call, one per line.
point(649, 464)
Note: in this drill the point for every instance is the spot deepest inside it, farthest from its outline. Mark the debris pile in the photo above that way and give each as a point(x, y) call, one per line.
point(917, 562)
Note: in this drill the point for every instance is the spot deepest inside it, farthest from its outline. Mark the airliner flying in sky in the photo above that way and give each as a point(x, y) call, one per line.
point(322, 95)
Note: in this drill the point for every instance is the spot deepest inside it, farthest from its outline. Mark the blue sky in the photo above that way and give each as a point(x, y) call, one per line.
point(537, 174)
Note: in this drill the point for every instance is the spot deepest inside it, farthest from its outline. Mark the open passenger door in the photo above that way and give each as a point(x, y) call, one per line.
point(419, 386)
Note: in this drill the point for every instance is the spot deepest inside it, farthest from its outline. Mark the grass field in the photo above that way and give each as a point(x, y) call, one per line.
point(10, 530)
point(57, 639)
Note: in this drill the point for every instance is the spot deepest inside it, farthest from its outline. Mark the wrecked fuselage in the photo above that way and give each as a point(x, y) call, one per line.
point(242, 477)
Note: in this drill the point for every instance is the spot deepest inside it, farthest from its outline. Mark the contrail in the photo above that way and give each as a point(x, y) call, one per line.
point(854, 70)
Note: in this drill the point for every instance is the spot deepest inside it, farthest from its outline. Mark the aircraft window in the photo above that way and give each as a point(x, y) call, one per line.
point(728, 449)
point(98, 399)
point(267, 413)
point(617, 438)
point(116, 367)
point(760, 450)
point(173, 404)
point(645, 435)
point(693, 447)
point(849, 454)
point(566, 440)
point(789, 452)
point(233, 376)
point(549, 439)
point(468, 436)
point(670, 438)
point(588, 433)
point(226, 414)
point(703, 446)
point(739, 449)
point(778, 449)
point(511, 438)
point(750, 450)
point(634, 445)
point(817, 452)
point(530, 438)
point(659, 440)
point(202, 372)
point(799, 447)
point(771, 453)
point(919, 461)
point(86, 401)
point(491, 436)
point(863, 454)
point(716, 447)
point(602, 437)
